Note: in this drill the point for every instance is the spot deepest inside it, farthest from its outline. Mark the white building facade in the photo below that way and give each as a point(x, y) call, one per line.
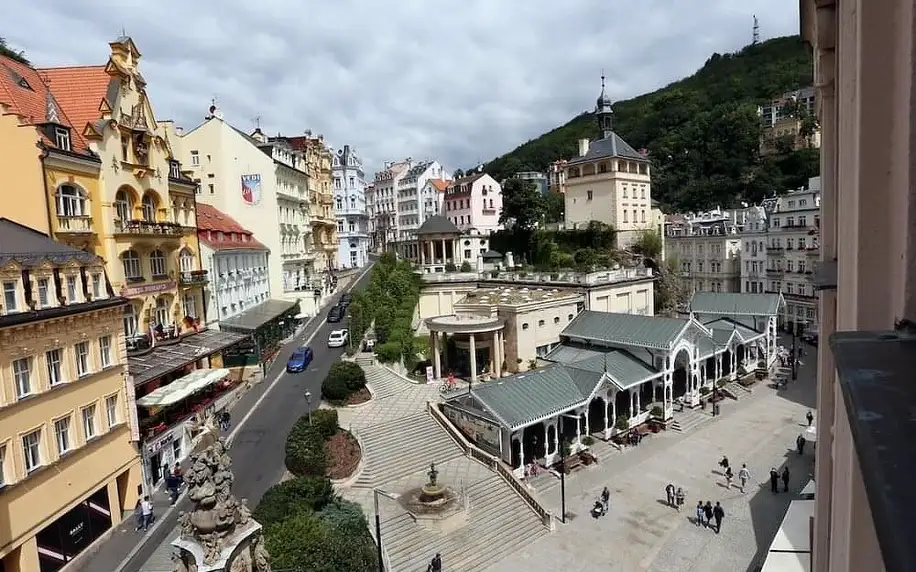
point(410, 212)
point(474, 202)
point(383, 201)
point(351, 208)
point(754, 254)
point(263, 186)
point(708, 249)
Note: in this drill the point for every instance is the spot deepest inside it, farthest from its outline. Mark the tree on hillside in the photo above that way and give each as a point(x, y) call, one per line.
point(554, 207)
point(671, 291)
point(649, 244)
point(6, 50)
point(523, 204)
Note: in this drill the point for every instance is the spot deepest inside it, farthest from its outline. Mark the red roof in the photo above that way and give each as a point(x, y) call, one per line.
point(211, 221)
point(26, 92)
point(440, 185)
point(80, 91)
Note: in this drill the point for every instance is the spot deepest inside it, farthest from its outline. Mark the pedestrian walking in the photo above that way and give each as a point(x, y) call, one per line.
point(669, 493)
point(146, 509)
point(225, 420)
point(800, 444)
point(718, 513)
point(701, 515)
point(679, 498)
point(435, 565)
point(810, 417)
point(785, 479)
point(605, 498)
point(728, 478)
point(724, 463)
point(774, 480)
point(707, 512)
point(138, 514)
point(744, 476)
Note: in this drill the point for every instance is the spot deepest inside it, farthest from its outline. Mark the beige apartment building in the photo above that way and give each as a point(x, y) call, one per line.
point(707, 247)
point(864, 70)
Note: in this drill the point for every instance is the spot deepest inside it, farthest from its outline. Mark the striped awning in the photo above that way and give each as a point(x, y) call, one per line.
point(183, 387)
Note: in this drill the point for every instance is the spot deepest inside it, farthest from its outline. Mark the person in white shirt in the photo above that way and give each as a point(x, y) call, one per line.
point(744, 476)
point(146, 508)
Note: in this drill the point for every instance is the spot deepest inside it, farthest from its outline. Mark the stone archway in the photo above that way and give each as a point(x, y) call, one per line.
point(681, 376)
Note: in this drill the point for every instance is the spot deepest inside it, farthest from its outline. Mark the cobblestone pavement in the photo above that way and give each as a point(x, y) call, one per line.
point(641, 533)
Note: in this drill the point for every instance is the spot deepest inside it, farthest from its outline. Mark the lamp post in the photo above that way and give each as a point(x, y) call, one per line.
point(378, 524)
point(563, 447)
point(308, 401)
point(798, 329)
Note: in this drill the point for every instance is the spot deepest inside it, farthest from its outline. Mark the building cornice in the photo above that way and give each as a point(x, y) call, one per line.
point(83, 164)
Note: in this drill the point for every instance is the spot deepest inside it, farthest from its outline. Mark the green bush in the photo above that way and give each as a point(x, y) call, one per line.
point(305, 541)
point(325, 421)
point(351, 373)
point(306, 454)
point(345, 515)
point(334, 389)
point(466, 267)
point(622, 423)
point(449, 267)
point(588, 440)
point(290, 497)
point(389, 352)
point(704, 390)
point(657, 412)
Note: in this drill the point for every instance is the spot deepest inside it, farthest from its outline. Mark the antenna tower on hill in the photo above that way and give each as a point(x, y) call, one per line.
point(756, 36)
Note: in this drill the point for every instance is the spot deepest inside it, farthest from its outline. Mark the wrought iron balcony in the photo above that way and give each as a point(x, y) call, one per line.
point(146, 228)
point(194, 278)
point(74, 224)
point(775, 249)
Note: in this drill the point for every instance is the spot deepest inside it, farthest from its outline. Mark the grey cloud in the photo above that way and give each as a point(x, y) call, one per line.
point(458, 80)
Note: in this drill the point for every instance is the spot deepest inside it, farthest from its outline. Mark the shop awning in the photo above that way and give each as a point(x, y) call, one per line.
point(182, 387)
point(787, 562)
point(809, 490)
point(255, 317)
point(164, 359)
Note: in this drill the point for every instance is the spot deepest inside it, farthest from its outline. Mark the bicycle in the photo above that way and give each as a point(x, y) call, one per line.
point(447, 386)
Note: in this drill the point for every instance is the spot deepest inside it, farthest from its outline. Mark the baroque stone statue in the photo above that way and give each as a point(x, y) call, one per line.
point(433, 474)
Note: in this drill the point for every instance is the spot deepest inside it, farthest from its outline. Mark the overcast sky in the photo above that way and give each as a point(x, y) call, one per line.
point(458, 81)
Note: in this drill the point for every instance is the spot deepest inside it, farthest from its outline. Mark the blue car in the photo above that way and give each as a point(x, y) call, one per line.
point(300, 360)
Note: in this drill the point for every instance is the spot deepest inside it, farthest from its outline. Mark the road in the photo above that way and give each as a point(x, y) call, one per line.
point(257, 449)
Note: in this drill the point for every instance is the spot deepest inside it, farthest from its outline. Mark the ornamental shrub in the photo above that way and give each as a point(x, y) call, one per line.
point(325, 422)
point(334, 389)
point(351, 372)
point(283, 500)
point(305, 541)
point(466, 267)
point(306, 454)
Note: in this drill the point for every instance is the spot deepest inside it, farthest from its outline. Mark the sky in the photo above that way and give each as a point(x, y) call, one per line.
point(457, 81)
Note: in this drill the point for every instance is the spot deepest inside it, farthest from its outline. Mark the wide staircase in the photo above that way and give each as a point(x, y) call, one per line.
point(499, 523)
point(382, 382)
point(402, 447)
point(689, 419)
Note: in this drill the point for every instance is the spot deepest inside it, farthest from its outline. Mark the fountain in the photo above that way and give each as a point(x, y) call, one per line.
point(435, 505)
point(218, 535)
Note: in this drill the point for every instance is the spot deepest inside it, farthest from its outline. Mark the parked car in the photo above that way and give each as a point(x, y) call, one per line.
point(346, 299)
point(300, 360)
point(337, 339)
point(336, 314)
point(369, 345)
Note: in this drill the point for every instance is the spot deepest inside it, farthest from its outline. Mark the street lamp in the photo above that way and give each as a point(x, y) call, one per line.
point(308, 401)
point(378, 523)
point(798, 329)
point(564, 445)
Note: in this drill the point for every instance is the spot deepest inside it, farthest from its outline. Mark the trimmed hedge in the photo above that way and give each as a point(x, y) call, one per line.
point(287, 498)
point(344, 378)
point(325, 422)
point(306, 454)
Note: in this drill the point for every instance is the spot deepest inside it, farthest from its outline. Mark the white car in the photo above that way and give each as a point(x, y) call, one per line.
point(337, 339)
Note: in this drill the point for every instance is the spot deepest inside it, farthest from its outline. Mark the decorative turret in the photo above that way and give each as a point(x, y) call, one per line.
point(604, 112)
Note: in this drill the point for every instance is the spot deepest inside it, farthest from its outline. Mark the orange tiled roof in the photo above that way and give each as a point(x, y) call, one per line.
point(440, 185)
point(25, 91)
point(80, 91)
point(211, 220)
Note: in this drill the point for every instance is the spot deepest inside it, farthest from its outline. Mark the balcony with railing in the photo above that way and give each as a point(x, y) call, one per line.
point(777, 272)
point(775, 249)
point(146, 228)
point(194, 278)
point(74, 225)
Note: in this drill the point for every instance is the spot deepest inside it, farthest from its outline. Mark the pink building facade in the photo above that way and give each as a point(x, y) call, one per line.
point(864, 73)
point(474, 202)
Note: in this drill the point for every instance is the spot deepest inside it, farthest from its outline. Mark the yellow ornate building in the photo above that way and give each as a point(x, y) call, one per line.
point(141, 219)
point(68, 465)
point(319, 168)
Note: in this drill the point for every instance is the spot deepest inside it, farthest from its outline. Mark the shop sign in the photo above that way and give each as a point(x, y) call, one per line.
point(144, 289)
point(160, 442)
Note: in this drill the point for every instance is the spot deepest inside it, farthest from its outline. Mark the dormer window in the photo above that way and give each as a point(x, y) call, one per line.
point(25, 84)
point(175, 169)
point(72, 289)
point(62, 138)
point(11, 296)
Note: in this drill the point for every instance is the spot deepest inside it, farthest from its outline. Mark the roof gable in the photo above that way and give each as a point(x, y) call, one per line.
point(437, 225)
point(210, 220)
point(80, 92)
point(610, 147)
point(736, 304)
point(626, 329)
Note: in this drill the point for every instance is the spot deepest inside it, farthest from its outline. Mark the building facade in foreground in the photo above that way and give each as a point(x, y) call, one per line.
point(350, 208)
point(69, 465)
point(866, 275)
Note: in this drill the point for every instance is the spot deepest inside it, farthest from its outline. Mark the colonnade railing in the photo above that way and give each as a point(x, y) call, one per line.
point(493, 463)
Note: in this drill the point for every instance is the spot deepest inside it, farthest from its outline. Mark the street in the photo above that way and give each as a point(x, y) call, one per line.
point(258, 446)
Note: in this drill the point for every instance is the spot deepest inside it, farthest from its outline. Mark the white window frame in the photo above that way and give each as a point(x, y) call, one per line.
point(70, 201)
point(31, 450)
point(130, 260)
point(105, 352)
point(22, 375)
point(10, 294)
point(62, 435)
point(189, 305)
point(163, 314)
point(97, 282)
point(111, 410)
point(54, 360)
point(88, 415)
point(124, 206)
point(44, 292)
point(157, 264)
point(62, 138)
point(73, 289)
point(83, 362)
point(186, 261)
point(195, 159)
point(131, 321)
point(149, 208)
point(2, 465)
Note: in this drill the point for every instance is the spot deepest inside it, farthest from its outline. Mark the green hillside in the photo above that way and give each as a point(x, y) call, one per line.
point(702, 132)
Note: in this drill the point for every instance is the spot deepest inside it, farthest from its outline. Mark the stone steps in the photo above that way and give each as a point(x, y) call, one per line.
point(401, 447)
point(499, 523)
point(689, 419)
point(364, 360)
point(382, 382)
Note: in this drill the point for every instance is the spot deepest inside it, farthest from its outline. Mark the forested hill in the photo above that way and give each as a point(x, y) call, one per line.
point(702, 132)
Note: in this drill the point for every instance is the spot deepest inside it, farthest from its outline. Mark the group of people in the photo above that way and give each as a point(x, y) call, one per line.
point(744, 475)
point(675, 496)
point(775, 476)
point(707, 514)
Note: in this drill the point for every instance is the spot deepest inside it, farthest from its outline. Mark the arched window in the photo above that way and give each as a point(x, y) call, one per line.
point(131, 261)
point(163, 316)
point(124, 205)
point(131, 325)
point(157, 264)
point(71, 201)
point(186, 261)
point(149, 208)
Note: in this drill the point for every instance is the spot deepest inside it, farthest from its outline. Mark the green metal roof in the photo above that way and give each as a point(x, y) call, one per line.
point(623, 368)
point(523, 398)
point(626, 329)
point(745, 332)
point(732, 303)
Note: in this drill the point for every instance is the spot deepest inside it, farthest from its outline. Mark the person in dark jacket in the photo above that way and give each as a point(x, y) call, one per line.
point(785, 479)
point(435, 565)
point(774, 480)
point(708, 513)
point(669, 494)
point(800, 444)
point(718, 513)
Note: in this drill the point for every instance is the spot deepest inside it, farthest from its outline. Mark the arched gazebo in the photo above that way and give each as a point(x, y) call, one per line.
point(478, 332)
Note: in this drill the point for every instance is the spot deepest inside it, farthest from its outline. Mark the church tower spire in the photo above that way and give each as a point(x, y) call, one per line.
point(603, 112)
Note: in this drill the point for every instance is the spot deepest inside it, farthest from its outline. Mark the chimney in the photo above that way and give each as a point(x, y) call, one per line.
point(583, 147)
